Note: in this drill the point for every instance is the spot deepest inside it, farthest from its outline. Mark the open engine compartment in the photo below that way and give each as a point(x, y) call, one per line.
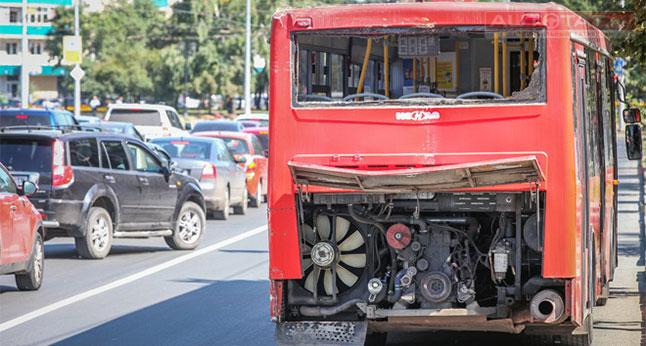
point(388, 256)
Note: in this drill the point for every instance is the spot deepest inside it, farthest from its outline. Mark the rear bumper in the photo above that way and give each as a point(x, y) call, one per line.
point(64, 215)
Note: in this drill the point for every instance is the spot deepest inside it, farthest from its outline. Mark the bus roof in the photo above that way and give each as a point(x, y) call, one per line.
point(441, 13)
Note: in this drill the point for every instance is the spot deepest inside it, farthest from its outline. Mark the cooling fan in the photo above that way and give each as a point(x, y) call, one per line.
point(334, 255)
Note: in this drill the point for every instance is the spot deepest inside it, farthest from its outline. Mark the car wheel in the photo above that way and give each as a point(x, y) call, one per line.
point(244, 204)
point(189, 228)
point(97, 242)
point(224, 213)
point(254, 201)
point(33, 278)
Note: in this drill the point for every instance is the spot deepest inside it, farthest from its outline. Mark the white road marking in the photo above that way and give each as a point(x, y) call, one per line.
point(128, 279)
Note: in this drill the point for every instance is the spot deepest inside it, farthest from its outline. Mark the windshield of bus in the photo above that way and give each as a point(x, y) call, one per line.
point(408, 66)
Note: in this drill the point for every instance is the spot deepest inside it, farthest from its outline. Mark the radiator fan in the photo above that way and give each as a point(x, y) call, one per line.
point(334, 255)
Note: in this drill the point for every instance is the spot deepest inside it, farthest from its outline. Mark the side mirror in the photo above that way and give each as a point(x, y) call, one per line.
point(28, 188)
point(634, 142)
point(266, 152)
point(632, 115)
point(240, 159)
point(188, 126)
point(166, 171)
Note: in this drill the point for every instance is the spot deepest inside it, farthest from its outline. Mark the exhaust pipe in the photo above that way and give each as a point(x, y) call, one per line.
point(547, 306)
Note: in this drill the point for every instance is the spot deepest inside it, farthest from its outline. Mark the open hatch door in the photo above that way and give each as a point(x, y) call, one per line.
point(438, 178)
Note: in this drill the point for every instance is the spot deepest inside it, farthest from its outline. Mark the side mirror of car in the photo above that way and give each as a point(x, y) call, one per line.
point(266, 152)
point(27, 189)
point(634, 147)
point(188, 126)
point(632, 115)
point(240, 159)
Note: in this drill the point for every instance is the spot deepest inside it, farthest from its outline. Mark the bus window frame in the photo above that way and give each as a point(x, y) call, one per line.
point(540, 47)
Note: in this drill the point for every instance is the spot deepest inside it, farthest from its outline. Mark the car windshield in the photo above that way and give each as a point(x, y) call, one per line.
point(137, 117)
point(25, 155)
point(236, 146)
point(22, 119)
point(185, 149)
point(404, 66)
point(203, 126)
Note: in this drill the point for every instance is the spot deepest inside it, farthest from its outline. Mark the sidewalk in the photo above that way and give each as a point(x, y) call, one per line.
point(623, 320)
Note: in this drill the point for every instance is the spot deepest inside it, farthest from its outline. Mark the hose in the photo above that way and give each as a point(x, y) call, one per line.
point(397, 293)
point(325, 311)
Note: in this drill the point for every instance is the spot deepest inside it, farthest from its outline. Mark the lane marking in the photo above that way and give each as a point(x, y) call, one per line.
point(128, 279)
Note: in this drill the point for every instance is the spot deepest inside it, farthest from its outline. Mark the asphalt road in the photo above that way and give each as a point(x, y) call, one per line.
point(143, 293)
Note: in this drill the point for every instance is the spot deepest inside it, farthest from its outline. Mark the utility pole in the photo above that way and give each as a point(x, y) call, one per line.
point(247, 62)
point(77, 81)
point(24, 70)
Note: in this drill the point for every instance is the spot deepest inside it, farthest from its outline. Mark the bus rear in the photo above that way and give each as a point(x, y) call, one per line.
point(419, 179)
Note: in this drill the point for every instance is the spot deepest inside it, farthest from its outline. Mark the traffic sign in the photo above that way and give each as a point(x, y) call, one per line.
point(72, 50)
point(619, 66)
point(77, 73)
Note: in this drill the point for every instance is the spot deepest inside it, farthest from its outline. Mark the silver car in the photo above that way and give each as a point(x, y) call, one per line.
point(221, 178)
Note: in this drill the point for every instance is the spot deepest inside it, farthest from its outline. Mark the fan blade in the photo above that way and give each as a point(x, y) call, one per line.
point(346, 276)
point(342, 227)
point(308, 234)
point(308, 263)
point(323, 227)
point(309, 282)
point(327, 282)
point(355, 260)
point(354, 241)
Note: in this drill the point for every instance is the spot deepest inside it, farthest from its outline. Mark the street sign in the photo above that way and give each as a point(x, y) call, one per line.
point(619, 66)
point(72, 50)
point(259, 63)
point(77, 73)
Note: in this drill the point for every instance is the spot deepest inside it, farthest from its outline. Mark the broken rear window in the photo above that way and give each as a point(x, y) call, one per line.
point(402, 66)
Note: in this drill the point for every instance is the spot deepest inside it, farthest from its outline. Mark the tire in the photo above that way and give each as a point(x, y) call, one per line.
point(32, 279)
point(97, 242)
point(224, 213)
point(254, 201)
point(244, 205)
point(189, 228)
point(376, 339)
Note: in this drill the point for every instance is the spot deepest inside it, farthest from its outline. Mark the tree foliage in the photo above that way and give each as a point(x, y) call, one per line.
point(134, 50)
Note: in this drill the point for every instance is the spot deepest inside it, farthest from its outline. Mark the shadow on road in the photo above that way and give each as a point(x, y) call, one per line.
point(221, 313)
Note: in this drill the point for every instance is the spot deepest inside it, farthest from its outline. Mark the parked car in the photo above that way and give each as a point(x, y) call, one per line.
point(207, 159)
point(37, 117)
point(261, 118)
point(263, 135)
point(151, 121)
point(126, 129)
point(217, 125)
point(247, 149)
point(96, 186)
point(21, 233)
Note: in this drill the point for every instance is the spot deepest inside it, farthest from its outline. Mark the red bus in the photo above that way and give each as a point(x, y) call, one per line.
point(440, 166)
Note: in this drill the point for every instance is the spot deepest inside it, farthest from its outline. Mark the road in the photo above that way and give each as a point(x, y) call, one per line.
point(144, 293)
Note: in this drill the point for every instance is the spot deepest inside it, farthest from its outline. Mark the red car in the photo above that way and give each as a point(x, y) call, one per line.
point(22, 252)
point(249, 146)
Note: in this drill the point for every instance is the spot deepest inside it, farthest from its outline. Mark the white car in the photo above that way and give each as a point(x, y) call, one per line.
point(261, 118)
point(152, 121)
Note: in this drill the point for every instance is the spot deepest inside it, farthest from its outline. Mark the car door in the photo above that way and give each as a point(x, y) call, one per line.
point(9, 238)
point(118, 176)
point(158, 196)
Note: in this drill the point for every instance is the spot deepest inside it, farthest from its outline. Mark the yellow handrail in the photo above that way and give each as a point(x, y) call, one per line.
point(496, 64)
point(364, 68)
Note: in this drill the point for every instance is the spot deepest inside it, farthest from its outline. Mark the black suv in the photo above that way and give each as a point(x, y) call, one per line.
point(96, 186)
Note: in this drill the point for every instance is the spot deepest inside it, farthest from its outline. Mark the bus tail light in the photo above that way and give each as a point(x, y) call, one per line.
point(62, 175)
point(531, 18)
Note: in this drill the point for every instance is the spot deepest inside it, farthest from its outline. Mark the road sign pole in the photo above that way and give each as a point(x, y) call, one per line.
point(77, 81)
point(247, 61)
point(24, 71)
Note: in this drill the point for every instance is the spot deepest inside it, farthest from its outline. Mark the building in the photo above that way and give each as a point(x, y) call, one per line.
point(44, 75)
